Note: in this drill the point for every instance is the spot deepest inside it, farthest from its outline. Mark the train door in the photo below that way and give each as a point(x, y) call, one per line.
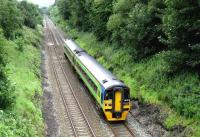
point(118, 100)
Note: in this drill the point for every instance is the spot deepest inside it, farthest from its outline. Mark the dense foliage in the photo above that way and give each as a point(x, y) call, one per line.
point(10, 18)
point(181, 25)
point(12, 15)
point(20, 114)
point(6, 94)
point(19, 52)
point(10, 23)
point(30, 13)
point(146, 27)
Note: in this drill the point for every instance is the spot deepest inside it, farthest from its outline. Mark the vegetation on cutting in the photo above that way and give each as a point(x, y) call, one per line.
point(20, 84)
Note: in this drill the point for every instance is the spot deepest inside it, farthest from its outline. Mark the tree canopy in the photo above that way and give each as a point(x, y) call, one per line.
point(13, 16)
point(146, 27)
point(30, 13)
point(10, 18)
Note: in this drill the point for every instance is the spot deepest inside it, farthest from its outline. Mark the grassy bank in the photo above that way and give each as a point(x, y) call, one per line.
point(149, 80)
point(24, 118)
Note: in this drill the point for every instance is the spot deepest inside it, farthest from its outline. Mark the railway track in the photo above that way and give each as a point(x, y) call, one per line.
point(117, 129)
point(78, 121)
point(121, 130)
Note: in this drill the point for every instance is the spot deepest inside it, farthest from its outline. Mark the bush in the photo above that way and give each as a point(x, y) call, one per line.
point(20, 43)
point(13, 125)
point(175, 60)
point(6, 93)
point(182, 94)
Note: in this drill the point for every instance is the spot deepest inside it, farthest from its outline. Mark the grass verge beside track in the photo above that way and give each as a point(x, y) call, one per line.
point(24, 118)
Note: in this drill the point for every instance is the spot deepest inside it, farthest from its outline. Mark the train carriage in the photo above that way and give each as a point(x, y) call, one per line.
point(111, 94)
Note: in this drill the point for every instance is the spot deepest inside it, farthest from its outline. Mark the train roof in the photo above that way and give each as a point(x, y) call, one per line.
point(73, 46)
point(106, 78)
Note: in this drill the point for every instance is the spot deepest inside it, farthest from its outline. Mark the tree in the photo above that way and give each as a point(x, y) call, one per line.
point(76, 12)
point(30, 13)
point(145, 27)
point(137, 25)
point(181, 25)
point(10, 18)
point(100, 13)
point(64, 8)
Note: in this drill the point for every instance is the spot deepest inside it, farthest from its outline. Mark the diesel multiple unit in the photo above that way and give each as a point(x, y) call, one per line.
point(110, 94)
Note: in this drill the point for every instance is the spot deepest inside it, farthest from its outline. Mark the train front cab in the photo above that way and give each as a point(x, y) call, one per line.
point(117, 104)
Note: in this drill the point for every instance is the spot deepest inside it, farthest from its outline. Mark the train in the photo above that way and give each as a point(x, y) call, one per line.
point(111, 95)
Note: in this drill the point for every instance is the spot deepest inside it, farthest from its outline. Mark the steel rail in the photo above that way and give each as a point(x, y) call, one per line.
point(61, 93)
point(130, 131)
point(113, 130)
point(126, 127)
point(71, 88)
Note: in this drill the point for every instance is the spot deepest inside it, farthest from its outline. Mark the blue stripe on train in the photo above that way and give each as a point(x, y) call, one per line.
point(102, 94)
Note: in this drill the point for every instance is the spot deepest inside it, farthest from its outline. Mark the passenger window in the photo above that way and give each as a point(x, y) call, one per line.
point(99, 94)
point(108, 95)
point(126, 94)
point(89, 80)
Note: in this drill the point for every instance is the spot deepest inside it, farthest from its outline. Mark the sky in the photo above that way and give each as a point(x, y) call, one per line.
point(42, 3)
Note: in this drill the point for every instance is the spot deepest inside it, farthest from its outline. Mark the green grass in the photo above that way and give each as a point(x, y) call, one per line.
point(25, 117)
point(149, 81)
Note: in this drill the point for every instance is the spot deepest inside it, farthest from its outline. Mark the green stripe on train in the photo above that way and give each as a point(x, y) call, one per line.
point(76, 62)
point(95, 94)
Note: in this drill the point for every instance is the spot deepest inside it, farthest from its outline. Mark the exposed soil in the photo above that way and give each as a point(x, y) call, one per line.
point(148, 116)
point(151, 118)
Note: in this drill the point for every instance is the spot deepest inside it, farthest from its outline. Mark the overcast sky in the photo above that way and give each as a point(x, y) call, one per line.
point(42, 3)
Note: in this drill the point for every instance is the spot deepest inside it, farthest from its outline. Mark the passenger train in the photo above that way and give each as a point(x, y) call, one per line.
point(110, 94)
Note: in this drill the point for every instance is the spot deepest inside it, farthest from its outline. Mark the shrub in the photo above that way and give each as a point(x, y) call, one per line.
point(6, 93)
point(20, 44)
point(183, 94)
